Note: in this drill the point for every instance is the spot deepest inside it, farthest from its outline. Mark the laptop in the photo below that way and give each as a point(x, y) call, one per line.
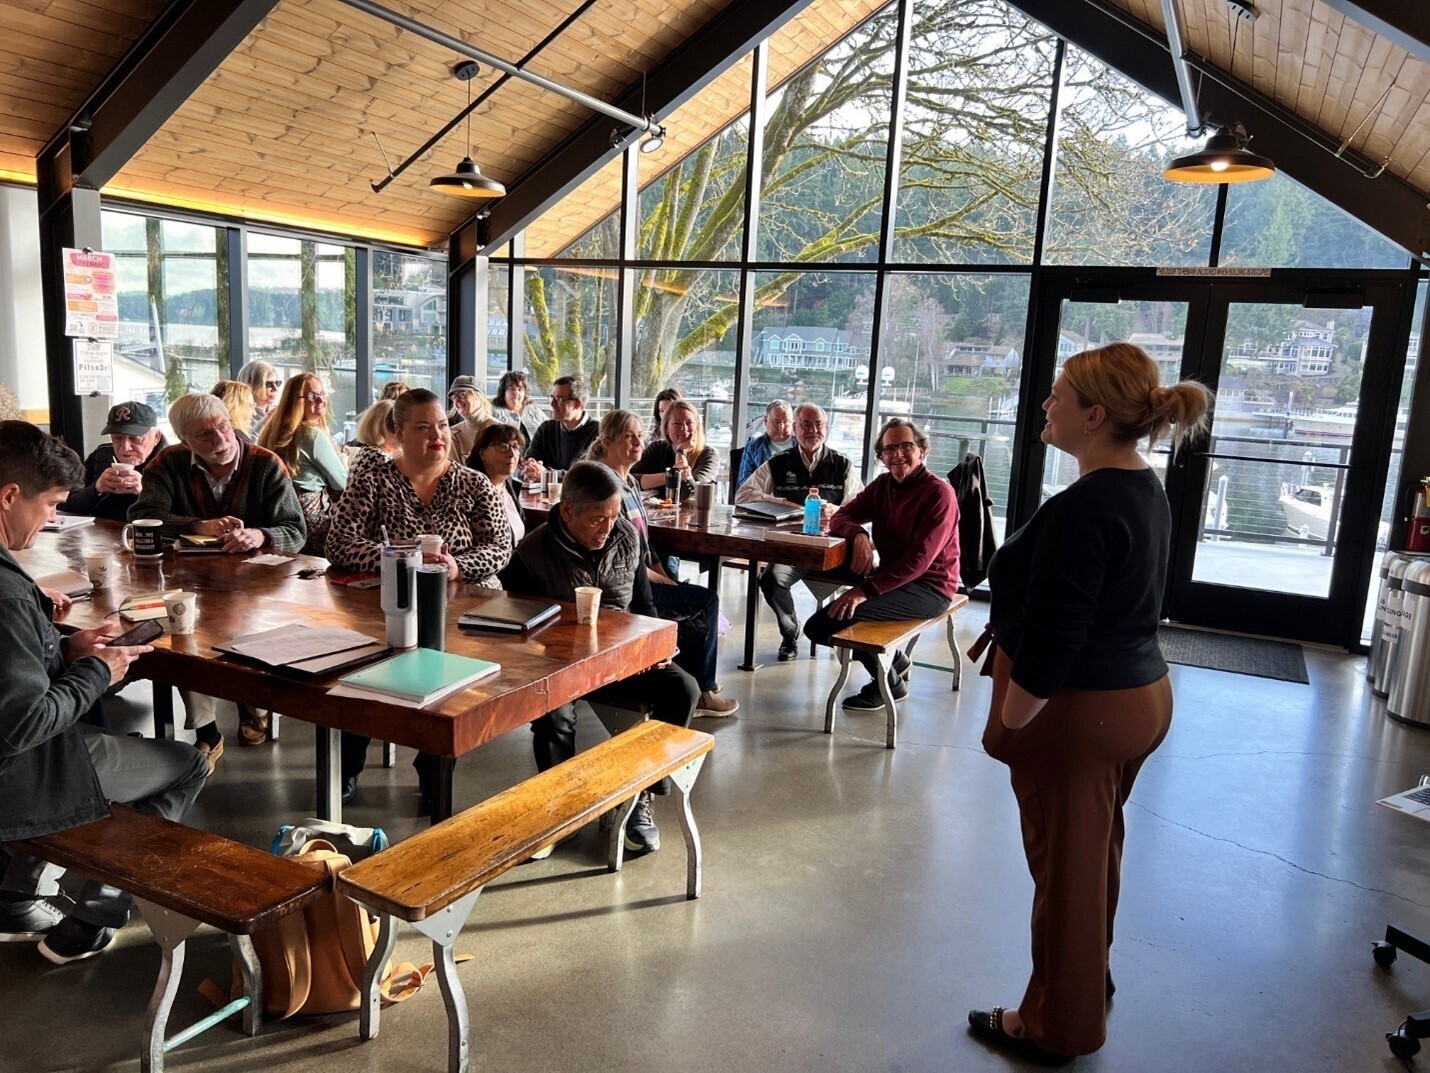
point(510, 613)
point(768, 512)
point(1413, 802)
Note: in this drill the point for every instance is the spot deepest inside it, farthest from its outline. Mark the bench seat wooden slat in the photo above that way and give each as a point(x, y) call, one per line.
point(205, 877)
point(875, 637)
point(442, 864)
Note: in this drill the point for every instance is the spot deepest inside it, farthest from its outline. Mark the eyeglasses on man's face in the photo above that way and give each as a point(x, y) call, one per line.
point(889, 450)
point(215, 434)
point(558, 400)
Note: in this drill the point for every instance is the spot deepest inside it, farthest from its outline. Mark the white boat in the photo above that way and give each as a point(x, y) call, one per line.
point(1325, 426)
point(1308, 509)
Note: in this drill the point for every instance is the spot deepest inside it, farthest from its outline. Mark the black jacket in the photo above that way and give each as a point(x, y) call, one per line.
point(90, 500)
point(47, 782)
point(548, 562)
point(976, 542)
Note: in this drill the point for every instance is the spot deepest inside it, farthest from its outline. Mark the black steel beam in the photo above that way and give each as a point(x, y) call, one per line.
point(680, 76)
point(1403, 24)
point(1387, 204)
point(161, 71)
point(72, 222)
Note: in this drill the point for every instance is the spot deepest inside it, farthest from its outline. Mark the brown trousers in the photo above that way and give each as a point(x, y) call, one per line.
point(1072, 770)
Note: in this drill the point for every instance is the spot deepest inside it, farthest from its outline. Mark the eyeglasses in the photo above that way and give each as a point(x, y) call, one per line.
point(559, 399)
point(813, 426)
point(273, 385)
point(907, 447)
point(213, 435)
point(510, 447)
point(313, 396)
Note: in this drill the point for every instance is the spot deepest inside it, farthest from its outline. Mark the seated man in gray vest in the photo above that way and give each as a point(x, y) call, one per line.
point(787, 478)
point(586, 541)
point(56, 773)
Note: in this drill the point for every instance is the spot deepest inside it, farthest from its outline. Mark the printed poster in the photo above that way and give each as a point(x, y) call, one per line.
point(93, 367)
point(91, 295)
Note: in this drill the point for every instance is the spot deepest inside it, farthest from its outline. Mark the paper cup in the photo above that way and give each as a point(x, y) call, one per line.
point(122, 467)
point(182, 609)
point(431, 544)
point(555, 494)
point(98, 567)
point(588, 604)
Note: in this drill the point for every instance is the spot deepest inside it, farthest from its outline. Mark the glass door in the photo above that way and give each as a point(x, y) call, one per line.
point(1274, 511)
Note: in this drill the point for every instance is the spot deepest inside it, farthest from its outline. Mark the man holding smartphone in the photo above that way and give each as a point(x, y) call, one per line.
point(56, 773)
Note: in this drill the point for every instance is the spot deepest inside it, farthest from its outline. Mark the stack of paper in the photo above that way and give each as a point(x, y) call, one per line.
point(67, 521)
point(307, 649)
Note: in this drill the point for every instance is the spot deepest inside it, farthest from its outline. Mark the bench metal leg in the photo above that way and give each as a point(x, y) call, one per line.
point(443, 930)
point(616, 847)
point(370, 1012)
point(957, 656)
point(891, 711)
point(252, 973)
point(839, 681)
point(684, 780)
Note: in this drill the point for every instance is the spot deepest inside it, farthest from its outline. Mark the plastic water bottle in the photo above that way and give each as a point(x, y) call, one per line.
point(813, 506)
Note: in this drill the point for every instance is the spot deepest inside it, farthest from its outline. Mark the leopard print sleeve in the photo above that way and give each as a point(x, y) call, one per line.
point(354, 537)
point(490, 532)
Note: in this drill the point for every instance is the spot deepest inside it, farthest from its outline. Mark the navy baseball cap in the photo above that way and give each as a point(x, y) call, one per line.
point(130, 419)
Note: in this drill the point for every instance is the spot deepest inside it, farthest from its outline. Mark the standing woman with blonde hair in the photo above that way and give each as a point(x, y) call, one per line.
point(1081, 695)
point(297, 432)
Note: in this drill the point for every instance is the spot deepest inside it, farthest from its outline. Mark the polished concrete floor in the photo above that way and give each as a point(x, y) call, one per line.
point(859, 901)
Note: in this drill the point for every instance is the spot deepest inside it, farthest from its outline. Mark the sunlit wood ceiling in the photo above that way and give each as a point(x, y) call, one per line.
point(1328, 69)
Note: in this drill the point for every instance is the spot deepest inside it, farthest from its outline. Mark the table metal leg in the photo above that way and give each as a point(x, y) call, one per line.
point(163, 711)
point(442, 772)
point(329, 772)
point(752, 610)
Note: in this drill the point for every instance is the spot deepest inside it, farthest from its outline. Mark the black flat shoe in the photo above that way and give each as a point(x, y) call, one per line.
point(987, 1025)
point(1111, 987)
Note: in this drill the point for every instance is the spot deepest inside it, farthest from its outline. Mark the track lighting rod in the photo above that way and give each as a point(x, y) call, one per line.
point(1170, 16)
point(461, 47)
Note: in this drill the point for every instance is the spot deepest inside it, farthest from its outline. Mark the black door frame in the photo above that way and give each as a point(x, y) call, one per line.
point(1335, 619)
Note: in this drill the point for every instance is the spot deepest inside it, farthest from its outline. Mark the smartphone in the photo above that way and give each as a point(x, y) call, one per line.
point(141, 634)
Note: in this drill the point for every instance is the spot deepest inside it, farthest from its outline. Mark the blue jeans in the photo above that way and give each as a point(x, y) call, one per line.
point(696, 612)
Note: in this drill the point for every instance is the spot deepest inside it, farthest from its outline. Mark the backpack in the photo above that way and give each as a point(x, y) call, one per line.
point(313, 961)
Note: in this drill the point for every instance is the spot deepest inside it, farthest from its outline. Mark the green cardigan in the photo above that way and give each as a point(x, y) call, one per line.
point(260, 493)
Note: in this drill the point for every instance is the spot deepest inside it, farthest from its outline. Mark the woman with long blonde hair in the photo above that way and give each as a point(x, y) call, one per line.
point(681, 447)
point(297, 432)
point(237, 398)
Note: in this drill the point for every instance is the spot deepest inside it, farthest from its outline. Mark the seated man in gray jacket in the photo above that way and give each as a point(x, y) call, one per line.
point(56, 773)
point(586, 541)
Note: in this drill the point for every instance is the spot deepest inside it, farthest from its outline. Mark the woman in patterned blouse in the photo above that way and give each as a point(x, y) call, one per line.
point(423, 490)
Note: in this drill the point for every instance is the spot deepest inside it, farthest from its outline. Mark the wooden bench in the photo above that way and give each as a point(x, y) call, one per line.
point(432, 879)
point(881, 640)
point(180, 878)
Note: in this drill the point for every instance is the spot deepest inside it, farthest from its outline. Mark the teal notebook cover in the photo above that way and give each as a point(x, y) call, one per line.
point(420, 672)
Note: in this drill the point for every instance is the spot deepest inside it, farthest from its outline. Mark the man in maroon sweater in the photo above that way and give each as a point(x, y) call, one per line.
point(915, 519)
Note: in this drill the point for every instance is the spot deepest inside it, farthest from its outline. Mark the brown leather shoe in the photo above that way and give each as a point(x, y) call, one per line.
point(252, 725)
point(211, 753)
point(713, 705)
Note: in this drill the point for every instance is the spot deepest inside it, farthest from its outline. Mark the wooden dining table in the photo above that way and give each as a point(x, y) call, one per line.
point(556, 663)
point(673, 531)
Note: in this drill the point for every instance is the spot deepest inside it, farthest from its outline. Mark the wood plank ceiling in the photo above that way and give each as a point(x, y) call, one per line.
point(284, 128)
point(1328, 69)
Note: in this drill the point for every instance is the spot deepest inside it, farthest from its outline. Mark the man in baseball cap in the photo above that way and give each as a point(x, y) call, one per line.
point(112, 472)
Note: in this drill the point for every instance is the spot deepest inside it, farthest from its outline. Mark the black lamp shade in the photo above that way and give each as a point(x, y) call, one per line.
point(468, 181)
point(1222, 161)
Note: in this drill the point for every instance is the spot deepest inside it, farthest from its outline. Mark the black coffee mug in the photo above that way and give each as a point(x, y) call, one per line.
point(144, 537)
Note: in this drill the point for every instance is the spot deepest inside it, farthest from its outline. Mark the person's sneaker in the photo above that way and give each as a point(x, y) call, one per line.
point(712, 704)
point(789, 650)
point(869, 700)
point(642, 835)
point(74, 940)
point(27, 921)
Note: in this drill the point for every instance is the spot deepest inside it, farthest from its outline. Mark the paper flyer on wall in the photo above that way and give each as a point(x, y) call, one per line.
point(91, 295)
point(93, 367)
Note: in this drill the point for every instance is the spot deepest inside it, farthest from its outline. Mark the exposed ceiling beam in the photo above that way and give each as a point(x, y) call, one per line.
point(163, 69)
point(1388, 204)
point(679, 77)
point(1404, 24)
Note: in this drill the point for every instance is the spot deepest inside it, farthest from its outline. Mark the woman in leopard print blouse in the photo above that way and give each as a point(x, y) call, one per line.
point(423, 490)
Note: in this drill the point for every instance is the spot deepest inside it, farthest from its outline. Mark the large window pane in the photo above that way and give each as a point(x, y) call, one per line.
point(409, 321)
point(571, 327)
point(811, 343)
point(692, 208)
point(686, 326)
point(498, 337)
point(953, 343)
point(301, 312)
point(1278, 223)
point(980, 86)
point(826, 144)
point(1110, 204)
point(173, 298)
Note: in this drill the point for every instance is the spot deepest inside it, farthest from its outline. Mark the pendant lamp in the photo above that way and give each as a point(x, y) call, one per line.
point(1225, 159)
point(467, 180)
